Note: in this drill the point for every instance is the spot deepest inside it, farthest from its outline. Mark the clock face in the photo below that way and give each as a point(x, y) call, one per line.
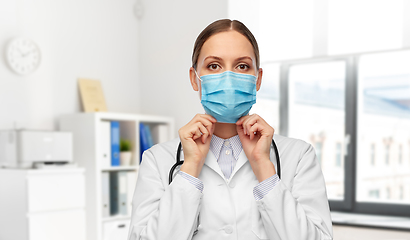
point(23, 56)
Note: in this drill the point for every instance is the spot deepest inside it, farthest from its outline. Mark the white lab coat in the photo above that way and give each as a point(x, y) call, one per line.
point(296, 208)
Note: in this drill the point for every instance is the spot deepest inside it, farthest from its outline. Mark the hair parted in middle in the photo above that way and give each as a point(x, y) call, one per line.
point(223, 25)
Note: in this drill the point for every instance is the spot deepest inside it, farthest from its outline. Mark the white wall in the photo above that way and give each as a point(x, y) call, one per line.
point(168, 30)
point(91, 39)
point(103, 40)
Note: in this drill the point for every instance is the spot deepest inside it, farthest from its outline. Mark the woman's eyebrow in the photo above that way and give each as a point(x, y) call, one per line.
point(243, 58)
point(214, 57)
point(220, 59)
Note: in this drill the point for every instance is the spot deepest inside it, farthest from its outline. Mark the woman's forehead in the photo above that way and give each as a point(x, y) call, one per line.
point(226, 45)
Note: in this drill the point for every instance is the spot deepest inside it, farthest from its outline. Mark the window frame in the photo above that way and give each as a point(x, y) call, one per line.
point(349, 204)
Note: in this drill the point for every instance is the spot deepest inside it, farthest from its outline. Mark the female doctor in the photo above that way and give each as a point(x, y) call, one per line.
point(228, 187)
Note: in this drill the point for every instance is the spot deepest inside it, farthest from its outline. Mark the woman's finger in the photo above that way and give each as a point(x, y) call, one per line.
point(253, 130)
point(249, 122)
point(200, 120)
point(241, 122)
point(209, 117)
point(204, 132)
point(196, 134)
point(262, 126)
point(206, 123)
point(242, 119)
point(199, 116)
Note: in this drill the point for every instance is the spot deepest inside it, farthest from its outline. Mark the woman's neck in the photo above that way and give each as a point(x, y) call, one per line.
point(225, 130)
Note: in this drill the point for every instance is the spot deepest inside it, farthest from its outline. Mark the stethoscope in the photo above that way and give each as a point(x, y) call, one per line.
point(179, 162)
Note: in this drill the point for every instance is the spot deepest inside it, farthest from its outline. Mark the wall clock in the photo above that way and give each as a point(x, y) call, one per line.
point(23, 55)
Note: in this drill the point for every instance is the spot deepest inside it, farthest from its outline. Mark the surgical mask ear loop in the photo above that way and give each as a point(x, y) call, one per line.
point(197, 76)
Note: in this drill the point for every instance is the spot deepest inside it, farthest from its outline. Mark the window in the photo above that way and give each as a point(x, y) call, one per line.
point(383, 115)
point(318, 149)
point(316, 94)
point(338, 162)
point(401, 195)
point(387, 153)
point(361, 105)
point(354, 109)
point(388, 193)
point(371, 25)
point(375, 194)
point(400, 154)
point(372, 154)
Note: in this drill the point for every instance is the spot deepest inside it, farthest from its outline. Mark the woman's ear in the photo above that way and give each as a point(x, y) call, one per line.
point(193, 78)
point(259, 80)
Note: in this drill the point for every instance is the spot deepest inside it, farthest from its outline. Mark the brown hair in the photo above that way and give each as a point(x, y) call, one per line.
point(223, 25)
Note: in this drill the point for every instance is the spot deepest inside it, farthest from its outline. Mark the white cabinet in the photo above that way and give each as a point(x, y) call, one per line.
point(67, 192)
point(42, 204)
point(116, 230)
point(89, 147)
point(57, 225)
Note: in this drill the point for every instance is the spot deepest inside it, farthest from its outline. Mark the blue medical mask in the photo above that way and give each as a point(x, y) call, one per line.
point(228, 96)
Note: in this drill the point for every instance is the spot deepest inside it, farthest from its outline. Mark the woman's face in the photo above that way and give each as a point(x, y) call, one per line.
point(226, 51)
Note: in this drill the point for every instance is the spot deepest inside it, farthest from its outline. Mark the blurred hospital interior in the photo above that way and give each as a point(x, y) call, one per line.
point(336, 74)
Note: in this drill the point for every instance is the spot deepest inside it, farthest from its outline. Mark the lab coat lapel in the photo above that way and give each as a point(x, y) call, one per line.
point(242, 160)
point(212, 163)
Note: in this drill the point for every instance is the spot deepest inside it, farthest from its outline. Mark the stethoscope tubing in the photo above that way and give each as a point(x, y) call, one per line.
point(179, 162)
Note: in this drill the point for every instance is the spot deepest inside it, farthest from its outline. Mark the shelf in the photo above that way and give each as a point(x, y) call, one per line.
point(90, 143)
point(116, 218)
point(120, 168)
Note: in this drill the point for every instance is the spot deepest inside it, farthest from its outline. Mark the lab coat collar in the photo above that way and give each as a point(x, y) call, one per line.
point(234, 143)
point(212, 163)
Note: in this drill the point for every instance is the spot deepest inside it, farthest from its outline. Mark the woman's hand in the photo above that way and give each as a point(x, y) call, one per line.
point(196, 138)
point(256, 137)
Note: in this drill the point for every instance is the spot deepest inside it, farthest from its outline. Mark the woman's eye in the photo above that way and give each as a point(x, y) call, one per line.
point(213, 66)
point(243, 67)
